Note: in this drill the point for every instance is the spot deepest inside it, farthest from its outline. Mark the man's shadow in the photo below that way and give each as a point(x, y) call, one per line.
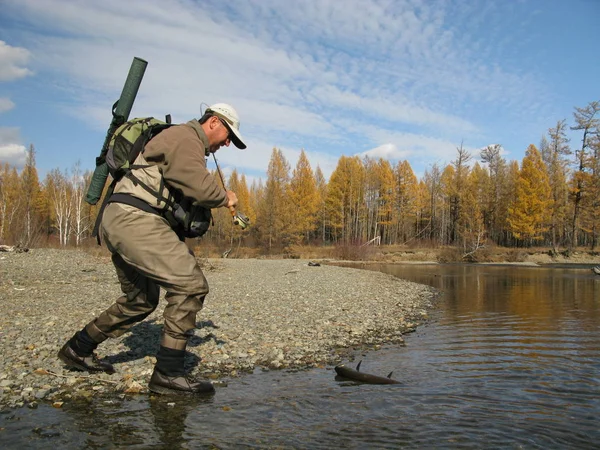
point(143, 339)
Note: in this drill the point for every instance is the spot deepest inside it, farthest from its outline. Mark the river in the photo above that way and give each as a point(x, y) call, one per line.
point(510, 359)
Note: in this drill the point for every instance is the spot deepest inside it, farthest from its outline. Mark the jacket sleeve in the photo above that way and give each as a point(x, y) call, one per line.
point(180, 156)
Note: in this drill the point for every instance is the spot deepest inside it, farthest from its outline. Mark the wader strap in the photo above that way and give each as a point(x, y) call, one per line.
point(144, 206)
point(96, 232)
point(133, 201)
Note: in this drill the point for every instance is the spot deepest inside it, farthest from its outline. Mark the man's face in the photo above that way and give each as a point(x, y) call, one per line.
point(220, 135)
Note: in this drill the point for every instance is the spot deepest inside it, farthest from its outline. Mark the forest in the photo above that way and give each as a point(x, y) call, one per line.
point(549, 199)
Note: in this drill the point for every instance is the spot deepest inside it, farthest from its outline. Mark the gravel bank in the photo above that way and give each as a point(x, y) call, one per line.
point(273, 314)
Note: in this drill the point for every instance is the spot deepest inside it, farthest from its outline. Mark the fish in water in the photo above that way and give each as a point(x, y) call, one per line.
point(357, 375)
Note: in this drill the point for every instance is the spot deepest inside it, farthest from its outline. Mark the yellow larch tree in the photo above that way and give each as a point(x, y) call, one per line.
point(554, 156)
point(379, 199)
point(33, 202)
point(303, 195)
point(528, 215)
point(275, 210)
point(238, 185)
point(385, 210)
point(470, 226)
point(321, 219)
point(345, 199)
point(496, 202)
point(405, 202)
point(448, 214)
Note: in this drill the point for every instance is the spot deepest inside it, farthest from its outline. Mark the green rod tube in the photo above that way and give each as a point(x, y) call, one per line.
point(121, 111)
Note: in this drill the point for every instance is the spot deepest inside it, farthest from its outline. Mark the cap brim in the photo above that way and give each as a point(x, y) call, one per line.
point(236, 137)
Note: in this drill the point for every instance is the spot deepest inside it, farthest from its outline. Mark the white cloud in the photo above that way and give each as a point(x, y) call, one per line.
point(11, 61)
point(13, 154)
point(6, 104)
point(387, 151)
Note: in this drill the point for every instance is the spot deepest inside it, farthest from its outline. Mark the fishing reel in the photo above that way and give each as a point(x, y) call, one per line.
point(241, 219)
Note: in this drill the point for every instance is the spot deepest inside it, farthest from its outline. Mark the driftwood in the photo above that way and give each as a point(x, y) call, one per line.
point(13, 248)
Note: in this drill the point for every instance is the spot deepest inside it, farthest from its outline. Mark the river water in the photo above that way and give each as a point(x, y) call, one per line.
point(511, 359)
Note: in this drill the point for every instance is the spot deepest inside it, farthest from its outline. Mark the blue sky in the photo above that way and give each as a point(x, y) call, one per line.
point(403, 79)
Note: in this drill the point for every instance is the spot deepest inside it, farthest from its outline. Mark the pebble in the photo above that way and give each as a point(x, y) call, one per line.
point(260, 313)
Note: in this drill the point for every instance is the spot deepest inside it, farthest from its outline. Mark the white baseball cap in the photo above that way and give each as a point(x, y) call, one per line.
point(231, 120)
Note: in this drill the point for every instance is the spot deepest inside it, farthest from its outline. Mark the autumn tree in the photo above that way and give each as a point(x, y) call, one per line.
point(275, 211)
point(449, 201)
point(554, 154)
point(371, 195)
point(304, 197)
point(591, 217)
point(471, 227)
point(345, 200)
point(246, 205)
point(496, 201)
point(255, 200)
point(379, 198)
point(431, 215)
point(10, 202)
point(458, 182)
point(405, 201)
point(321, 219)
point(386, 217)
point(529, 212)
point(32, 200)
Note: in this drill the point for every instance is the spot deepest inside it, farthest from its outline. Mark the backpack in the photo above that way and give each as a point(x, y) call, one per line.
point(128, 141)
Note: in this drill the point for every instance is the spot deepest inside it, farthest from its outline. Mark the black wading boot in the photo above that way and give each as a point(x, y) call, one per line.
point(169, 375)
point(78, 353)
point(163, 384)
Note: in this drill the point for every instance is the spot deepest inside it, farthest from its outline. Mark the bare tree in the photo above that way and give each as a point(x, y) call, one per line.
point(587, 121)
point(59, 192)
point(80, 221)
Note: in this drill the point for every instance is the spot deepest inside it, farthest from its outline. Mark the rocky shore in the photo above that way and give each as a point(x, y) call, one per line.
point(271, 314)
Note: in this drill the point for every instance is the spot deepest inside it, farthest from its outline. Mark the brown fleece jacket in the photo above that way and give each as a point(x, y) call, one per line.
point(180, 154)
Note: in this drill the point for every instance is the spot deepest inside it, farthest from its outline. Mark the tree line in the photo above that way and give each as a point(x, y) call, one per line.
point(550, 198)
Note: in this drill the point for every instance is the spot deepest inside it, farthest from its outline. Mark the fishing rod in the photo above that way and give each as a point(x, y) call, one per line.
point(239, 218)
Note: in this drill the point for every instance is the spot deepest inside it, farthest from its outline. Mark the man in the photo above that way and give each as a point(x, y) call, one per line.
point(148, 252)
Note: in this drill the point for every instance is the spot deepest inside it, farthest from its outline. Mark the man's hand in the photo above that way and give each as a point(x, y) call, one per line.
point(232, 199)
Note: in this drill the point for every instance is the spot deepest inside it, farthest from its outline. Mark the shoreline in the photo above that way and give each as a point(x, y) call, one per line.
point(260, 313)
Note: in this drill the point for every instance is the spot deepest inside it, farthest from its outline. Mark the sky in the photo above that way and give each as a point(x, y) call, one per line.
point(396, 79)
